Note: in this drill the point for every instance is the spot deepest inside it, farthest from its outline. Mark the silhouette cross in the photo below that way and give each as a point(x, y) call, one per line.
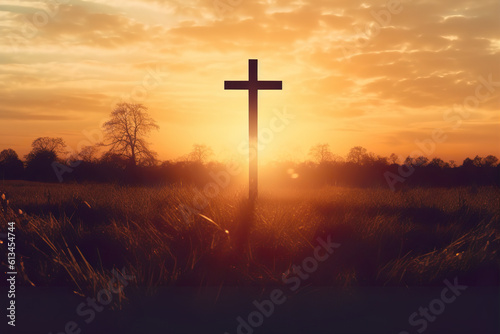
point(253, 85)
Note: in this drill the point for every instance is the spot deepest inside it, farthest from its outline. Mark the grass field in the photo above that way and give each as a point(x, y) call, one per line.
point(75, 235)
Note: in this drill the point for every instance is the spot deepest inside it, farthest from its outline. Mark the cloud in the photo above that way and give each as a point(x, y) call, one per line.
point(10, 115)
point(390, 82)
point(70, 26)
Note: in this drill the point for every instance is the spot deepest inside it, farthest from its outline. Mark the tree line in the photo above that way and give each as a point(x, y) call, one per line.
point(127, 158)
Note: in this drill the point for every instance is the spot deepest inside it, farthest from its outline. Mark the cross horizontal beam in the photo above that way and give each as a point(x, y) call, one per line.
point(260, 85)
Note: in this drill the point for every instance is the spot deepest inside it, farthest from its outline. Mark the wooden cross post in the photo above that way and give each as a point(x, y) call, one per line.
point(253, 85)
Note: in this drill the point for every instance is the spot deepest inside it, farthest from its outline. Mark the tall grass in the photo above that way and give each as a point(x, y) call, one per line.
point(75, 235)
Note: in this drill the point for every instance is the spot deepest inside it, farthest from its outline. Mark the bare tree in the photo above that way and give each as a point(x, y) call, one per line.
point(47, 145)
point(321, 153)
point(54, 145)
point(126, 133)
point(200, 153)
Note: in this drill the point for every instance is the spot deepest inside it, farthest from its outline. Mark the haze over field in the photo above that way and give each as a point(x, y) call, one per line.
point(354, 73)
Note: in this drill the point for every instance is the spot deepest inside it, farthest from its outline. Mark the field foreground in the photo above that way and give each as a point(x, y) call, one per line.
point(79, 236)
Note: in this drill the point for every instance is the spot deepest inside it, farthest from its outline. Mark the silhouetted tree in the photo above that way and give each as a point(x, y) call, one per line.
point(381, 160)
point(39, 166)
point(369, 159)
point(421, 161)
point(409, 161)
point(356, 154)
point(88, 154)
point(478, 161)
point(490, 161)
point(321, 153)
point(47, 144)
point(11, 167)
point(200, 153)
point(467, 163)
point(437, 162)
point(126, 133)
point(393, 159)
point(418, 161)
point(44, 153)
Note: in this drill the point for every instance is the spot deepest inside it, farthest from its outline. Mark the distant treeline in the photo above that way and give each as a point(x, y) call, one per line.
point(359, 169)
point(382, 174)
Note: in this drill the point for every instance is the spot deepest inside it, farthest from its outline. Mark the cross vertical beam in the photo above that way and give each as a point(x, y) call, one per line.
point(253, 85)
point(253, 118)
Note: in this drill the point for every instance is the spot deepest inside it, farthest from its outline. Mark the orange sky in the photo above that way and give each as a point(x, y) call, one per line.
point(383, 75)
